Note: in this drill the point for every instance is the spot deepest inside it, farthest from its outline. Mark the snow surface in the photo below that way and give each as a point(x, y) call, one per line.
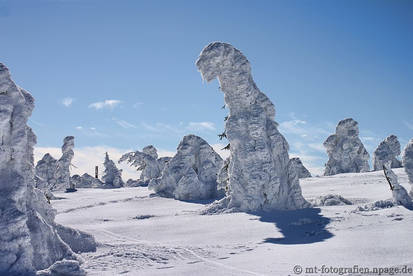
point(143, 234)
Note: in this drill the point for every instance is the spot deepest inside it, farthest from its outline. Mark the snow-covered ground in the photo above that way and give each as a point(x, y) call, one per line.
point(143, 234)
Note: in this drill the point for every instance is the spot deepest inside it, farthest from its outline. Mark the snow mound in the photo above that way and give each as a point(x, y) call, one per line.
point(258, 171)
point(78, 241)
point(135, 183)
point(345, 150)
point(192, 173)
point(63, 268)
point(377, 205)
point(331, 200)
point(388, 150)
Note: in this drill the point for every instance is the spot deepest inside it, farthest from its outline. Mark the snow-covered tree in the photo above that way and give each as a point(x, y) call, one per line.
point(147, 162)
point(258, 173)
point(408, 162)
point(400, 195)
point(46, 173)
point(85, 181)
point(52, 174)
point(299, 167)
point(29, 238)
point(112, 177)
point(345, 150)
point(388, 150)
point(192, 173)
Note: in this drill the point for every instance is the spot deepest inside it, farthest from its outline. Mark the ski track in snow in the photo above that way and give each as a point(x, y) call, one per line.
point(197, 256)
point(102, 203)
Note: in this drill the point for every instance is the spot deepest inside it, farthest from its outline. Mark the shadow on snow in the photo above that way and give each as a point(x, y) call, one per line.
point(301, 226)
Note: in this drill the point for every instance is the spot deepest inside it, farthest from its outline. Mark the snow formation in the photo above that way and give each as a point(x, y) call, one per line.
point(345, 150)
point(408, 162)
point(331, 200)
point(299, 167)
point(146, 161)
point(192, 173)
point(28, 237)
point(63, 268)
point(112, 177)
point(63, 164)
point(46, 173)
point(134, 183)
point(258, 171)
point(52, 174)
point(400, 195)
point(388, 150)
point(85, 181)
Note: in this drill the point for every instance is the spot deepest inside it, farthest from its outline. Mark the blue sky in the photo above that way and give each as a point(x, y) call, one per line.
point(121, 74)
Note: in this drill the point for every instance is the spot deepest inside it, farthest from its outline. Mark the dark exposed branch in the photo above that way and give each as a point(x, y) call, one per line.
point(388, 179)
point(222, 135)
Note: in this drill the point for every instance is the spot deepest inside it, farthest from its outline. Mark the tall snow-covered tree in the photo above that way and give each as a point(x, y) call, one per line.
point(346, 152)
point(112, 177)
point(258, 169)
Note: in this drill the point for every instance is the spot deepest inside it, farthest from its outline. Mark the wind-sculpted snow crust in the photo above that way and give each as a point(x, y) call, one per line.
point(388, 150)
point(408, 163)
point(192, 173)
point(259, 177)
point(345, 150)
point(146, 161)
point(28, 238)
